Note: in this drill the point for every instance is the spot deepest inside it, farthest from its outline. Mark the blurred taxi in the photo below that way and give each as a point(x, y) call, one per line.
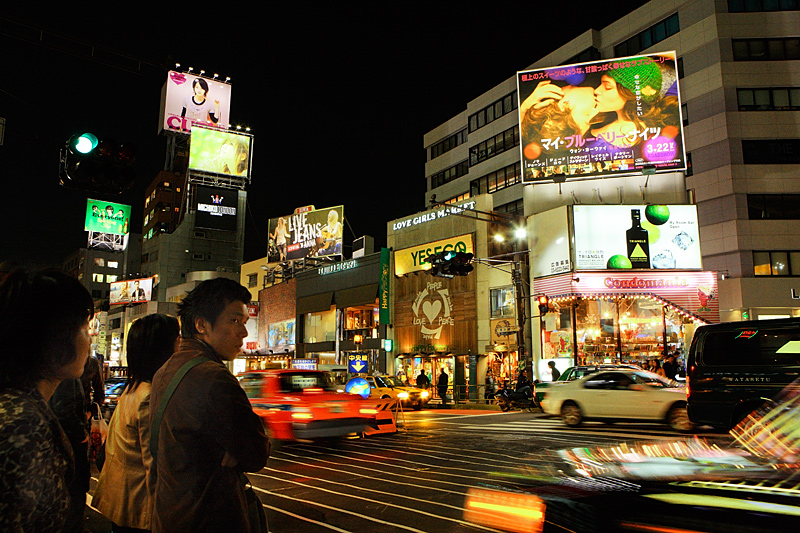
point(305, 404)
point(385, 387)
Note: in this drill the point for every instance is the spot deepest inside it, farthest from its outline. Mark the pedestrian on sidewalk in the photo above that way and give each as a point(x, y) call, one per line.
point(422, 380)
point(442, 385)
point(37, 352)
point(208, 434)
point(124, 492)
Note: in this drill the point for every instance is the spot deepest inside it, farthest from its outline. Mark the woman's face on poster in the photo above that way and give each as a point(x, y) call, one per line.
point(607, 96)
point(581, 103)
point(199, 91)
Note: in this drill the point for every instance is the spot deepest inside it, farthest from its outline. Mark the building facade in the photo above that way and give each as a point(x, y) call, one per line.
point(737, 64)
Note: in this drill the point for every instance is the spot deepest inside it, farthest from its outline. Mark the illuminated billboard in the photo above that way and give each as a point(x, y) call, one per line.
point(636, 236)
point(220, 152)
point(107, 217)
point(313, 233)
point(187, 99)
point(131, 292)
point(216, 208)
point(609, 117)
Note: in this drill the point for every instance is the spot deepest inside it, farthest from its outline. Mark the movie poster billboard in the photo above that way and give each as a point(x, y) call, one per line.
point(188, 99)
point(312, 233)
point(602, 118)
point(131, 291)
point(216, 208)
point(107, 217)
point(620, 237)
point(220, 152)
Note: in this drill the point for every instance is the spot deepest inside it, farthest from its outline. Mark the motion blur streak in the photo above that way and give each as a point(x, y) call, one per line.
point(521, 513)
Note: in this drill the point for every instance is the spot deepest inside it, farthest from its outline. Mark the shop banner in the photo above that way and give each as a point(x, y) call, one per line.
point(550, 243)
point(383, 290)
point(415, 258)
point(602, 118)
point(620, 237)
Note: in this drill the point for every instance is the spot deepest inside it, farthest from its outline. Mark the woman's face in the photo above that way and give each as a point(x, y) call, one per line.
point(83, 343)
point(607, 96)
point(581, 103)
point(199, 91)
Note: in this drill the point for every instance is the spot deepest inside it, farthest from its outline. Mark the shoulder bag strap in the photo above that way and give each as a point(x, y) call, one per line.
point(156, 423)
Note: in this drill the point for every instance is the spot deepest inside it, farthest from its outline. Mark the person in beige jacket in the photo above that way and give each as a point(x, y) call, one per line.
point(126, 486)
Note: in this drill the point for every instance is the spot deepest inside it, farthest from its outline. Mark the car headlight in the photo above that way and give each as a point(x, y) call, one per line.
point(402, 395)
point(423, 394)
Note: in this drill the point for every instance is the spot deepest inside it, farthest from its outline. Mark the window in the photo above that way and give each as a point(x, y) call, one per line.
point(771, 152)
point(111, 278)
point(113, 264)
point(448, 143)
point(752, 6)
point(252, 280)
point(766, 49)
point(98, 278)
point(449, 174)
point(776, 263)
point(647, 38)
point(494, 146)
point(99, 261)
point(502, 302)
point(492, 112)
point(773, 206)
point(769, 99)
point(494, 181)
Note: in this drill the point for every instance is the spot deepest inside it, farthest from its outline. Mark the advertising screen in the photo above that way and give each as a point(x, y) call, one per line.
point(550, 243)
point(107, 217)
point(220, 152)
point(131, 291)
point(314, 233)
point(609, 117)
point(636, 236)
point(216, 208)
point(187, 99)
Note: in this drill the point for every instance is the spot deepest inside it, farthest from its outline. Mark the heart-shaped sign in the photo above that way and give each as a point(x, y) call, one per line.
point(177, 77)
point(431, 310)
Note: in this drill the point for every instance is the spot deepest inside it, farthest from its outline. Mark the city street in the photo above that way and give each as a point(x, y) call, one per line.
point(415, 480)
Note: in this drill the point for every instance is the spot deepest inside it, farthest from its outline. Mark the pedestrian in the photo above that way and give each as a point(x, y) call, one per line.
point(670, 367)
point(442, 384)
point(422, 380)
point(93, 385)
point(124, 492)
point(489, 391)
point(69, 407)
point(656, 368)
point(36, 355)
point(208, 435)
point(553, 370)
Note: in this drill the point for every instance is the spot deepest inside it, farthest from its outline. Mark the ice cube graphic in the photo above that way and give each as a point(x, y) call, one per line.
point(683, 241)
point(663, 260)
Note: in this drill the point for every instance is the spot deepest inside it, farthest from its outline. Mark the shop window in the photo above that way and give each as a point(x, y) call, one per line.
point(361, 321)
point(502, 302)
point(320, 327)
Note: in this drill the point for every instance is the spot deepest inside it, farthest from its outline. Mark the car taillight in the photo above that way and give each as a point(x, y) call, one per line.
point(505, 510)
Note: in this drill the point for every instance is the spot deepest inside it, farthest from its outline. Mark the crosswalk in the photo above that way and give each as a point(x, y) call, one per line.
point(554, 429)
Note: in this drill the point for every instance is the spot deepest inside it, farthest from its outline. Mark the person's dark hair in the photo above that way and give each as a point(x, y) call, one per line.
point(202, 83)
point(151, 341)
point(35, 342)
point(208, 300)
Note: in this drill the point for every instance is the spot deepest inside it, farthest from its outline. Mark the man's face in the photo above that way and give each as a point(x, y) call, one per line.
point(228, 332)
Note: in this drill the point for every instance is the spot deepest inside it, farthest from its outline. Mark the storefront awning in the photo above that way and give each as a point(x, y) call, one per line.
point(315, 303)
point(365, 295)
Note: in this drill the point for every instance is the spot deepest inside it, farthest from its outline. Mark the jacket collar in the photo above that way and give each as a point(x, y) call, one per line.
point(206, 349)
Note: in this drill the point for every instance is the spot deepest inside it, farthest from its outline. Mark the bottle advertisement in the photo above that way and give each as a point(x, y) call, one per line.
point(636, 237)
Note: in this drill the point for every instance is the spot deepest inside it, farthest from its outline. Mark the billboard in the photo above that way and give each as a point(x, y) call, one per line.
point(606, 117)
point(415, 258)
point(550, 242)
point(131, 291)
point(314, 233)
point(220, 152)
point(216, 208)
point(636, 236)
point(187, 100)
point(107, 217)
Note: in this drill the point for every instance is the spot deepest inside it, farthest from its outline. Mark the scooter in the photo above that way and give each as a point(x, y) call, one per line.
point(521, 399)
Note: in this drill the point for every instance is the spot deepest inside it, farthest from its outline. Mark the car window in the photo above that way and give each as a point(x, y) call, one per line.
point(600, 381)
point(300, 381)
point(251, 383)
point(653, 380)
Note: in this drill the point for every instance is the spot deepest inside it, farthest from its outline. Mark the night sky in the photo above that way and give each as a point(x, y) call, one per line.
point(338, 96)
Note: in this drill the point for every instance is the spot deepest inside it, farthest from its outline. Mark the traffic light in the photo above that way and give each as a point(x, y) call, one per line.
point(544, 304)
point(448, 264)
point(94, 164)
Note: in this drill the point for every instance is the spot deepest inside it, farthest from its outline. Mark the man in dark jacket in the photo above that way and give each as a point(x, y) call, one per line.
point(209, 433)
point(442, 384)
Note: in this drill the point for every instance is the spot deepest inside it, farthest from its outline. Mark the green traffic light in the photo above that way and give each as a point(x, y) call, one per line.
point(449, 255)
point(84, 143)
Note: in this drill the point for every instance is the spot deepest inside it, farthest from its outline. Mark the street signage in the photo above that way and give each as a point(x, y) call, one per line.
point(357, 363)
